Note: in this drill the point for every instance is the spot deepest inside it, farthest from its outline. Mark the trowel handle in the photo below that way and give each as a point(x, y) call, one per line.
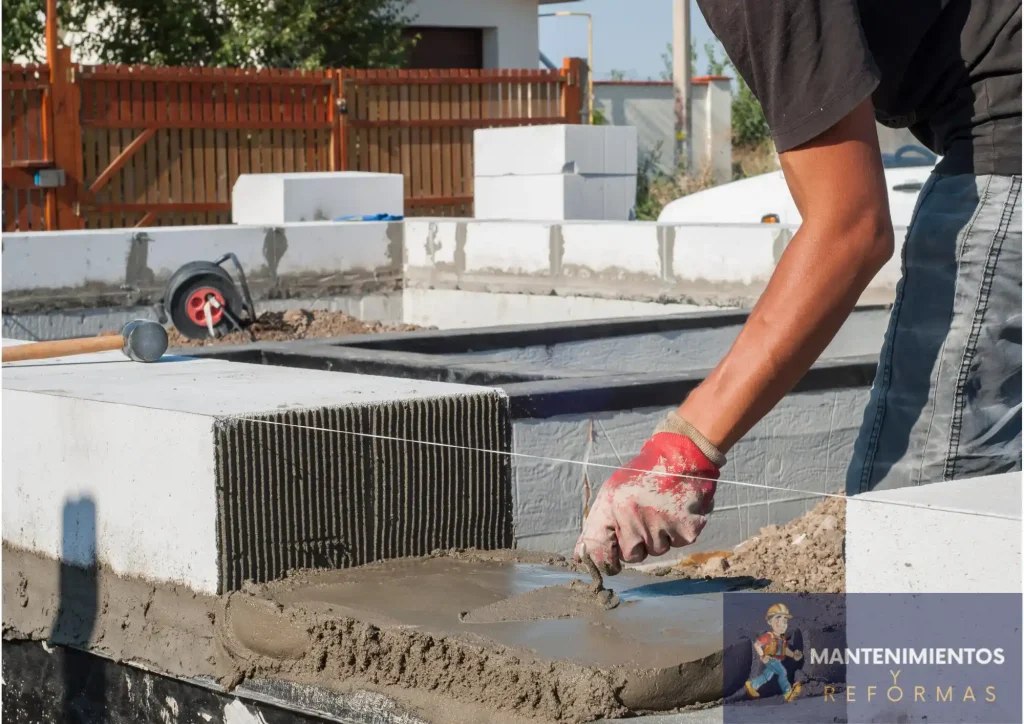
point(62, 348)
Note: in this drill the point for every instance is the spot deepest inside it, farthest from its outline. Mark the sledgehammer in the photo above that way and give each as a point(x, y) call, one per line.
point(140, 340)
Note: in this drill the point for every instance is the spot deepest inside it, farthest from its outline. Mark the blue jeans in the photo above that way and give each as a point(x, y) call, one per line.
point(946, 400)
point(774, 667)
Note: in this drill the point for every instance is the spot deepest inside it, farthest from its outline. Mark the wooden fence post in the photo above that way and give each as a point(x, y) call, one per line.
point(67, 138)
point(340, 131)
point(572, 93)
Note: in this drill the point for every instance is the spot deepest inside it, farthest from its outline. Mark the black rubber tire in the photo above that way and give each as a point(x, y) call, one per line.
point(187, 280)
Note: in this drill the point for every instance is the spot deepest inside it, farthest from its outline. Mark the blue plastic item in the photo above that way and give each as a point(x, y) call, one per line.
point(370, 217)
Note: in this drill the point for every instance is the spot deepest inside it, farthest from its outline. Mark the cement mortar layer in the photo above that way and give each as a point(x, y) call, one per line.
point(395, 628)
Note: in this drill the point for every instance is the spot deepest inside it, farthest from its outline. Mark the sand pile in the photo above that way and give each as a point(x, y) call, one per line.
point(805, 555)
point(295, 324)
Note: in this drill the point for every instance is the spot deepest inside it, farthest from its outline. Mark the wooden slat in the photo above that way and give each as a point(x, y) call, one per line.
point(33, 126)
point(266, 148)
point(276, 139)
point(447, 172)
point(405, 140)
point(437, 79)
point(466, 112)
point(137, 209)
point(92, 142)
point(220, 114)
point(190, 173)
point(425, 136)
point(103, 145)
point(209, 143)
point(163, 148)
point(288, 137)
point(435, 139)
point(413, 179)
point(136, 165)
point(20, 147)
point(233, 146)
point(239, 76)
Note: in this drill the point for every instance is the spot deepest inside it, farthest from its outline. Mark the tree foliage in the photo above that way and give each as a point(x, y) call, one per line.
point(241, 33)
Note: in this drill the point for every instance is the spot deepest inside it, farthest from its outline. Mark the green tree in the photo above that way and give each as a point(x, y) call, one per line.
point(318, 33)
point(292, 34)
point(615, 74)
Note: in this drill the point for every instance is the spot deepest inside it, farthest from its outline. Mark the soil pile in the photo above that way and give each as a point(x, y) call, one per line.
point(295, 324)
point(805, 555)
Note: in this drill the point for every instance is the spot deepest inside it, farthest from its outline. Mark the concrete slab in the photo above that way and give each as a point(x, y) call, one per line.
point(201, 472)
point(661, 646)
point(554, 149)
point(280, 198)
point(895, 544)
point(395, 630)
point(554, 197)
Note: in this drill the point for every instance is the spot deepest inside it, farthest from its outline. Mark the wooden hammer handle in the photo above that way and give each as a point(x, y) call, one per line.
point(62, 348)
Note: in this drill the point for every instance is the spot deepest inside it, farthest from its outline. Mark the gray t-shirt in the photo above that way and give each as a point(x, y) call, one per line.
point(949, 70)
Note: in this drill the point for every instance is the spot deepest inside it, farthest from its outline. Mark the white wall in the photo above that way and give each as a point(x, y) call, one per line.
point(512, 41)
point(649, 106)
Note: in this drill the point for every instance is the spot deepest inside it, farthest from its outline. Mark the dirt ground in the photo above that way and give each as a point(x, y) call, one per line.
point(805, 555)
point(295, 324)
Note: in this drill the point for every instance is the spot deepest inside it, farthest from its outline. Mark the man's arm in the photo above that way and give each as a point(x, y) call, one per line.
point(838, 185)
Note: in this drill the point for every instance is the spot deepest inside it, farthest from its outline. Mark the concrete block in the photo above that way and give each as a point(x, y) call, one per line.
point(278, 198)
point(131, 266)
point(431, 242)
point(554, 197)
point(534, 150)
point(186, 484)
point(508, 248)
point(597, 251)
point(894, 544)
point(732, 253)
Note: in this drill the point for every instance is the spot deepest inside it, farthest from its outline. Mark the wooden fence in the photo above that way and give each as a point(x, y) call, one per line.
point(144, 146)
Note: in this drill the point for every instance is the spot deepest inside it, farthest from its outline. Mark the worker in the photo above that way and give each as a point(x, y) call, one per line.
point(946, 400)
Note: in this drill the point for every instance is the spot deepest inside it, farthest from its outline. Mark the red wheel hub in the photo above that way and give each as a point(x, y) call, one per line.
point(195, 306)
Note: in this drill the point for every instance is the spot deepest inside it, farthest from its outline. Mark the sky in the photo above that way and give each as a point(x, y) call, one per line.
point(629, 35)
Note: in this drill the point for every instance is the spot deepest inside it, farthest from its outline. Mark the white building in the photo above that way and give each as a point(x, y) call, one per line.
point(475, 33)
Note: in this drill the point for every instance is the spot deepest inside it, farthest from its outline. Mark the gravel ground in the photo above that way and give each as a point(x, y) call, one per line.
point(295, 324)
point(805, 555)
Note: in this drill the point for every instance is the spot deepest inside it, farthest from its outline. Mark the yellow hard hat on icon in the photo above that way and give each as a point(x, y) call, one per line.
point(779, 609)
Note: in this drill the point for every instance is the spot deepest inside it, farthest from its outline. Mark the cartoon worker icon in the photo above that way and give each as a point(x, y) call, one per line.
point(772, 648)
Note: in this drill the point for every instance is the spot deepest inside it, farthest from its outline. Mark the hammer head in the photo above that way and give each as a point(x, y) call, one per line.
point(144, 340)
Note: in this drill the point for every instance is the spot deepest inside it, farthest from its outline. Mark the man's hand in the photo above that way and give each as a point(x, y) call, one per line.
point(659, 500)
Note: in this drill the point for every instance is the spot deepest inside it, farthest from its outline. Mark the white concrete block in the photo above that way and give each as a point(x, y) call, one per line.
point(741, 253)
point(570, 148)
point(895, 544)
point(508, 247)
point(610, 250)
point(554, 197)
point(430, 242)
point(136, 442)
point(278, 198)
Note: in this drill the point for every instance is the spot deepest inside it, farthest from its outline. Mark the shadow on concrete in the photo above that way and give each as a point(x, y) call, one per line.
point(692, 587)
point(84, 686)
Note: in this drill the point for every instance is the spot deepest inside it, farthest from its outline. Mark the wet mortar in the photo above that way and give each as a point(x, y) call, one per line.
point(397, 627)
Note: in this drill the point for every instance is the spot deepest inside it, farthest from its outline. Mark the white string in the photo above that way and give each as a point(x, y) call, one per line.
point(898, 503)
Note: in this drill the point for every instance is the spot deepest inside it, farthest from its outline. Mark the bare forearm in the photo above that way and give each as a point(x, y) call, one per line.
point(813, 290)
point(845, 239)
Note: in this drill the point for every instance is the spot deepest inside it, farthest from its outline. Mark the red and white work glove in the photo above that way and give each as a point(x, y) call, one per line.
point(647, 506)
